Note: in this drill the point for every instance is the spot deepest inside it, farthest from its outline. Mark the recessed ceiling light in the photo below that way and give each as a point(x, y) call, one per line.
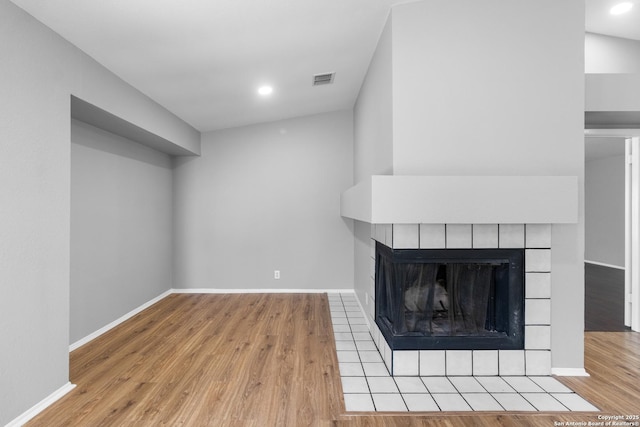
point(621, 8)
point(265, 90)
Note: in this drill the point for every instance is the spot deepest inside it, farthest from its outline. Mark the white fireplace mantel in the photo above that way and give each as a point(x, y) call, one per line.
point(395, 199)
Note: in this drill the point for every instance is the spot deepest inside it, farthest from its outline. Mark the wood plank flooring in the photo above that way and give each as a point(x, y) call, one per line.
point(269, 360)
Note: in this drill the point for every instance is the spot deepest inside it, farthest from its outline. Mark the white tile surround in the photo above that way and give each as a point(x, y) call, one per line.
point(535, 239)
point(368, 386)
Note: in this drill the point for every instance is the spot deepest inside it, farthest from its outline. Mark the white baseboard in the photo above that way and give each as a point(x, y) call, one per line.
point(569, 372)
point(116, 322)
point(66, 388)
point(260, 291)
point(604, 264)
point(41, 406)
point(137, 310)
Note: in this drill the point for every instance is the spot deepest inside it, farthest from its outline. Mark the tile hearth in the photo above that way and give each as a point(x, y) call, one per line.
point(368, 386)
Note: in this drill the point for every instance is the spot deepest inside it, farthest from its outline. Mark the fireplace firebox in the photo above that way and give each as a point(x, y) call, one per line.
point(451, 299)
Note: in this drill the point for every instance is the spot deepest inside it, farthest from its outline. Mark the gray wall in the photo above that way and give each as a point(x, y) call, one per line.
point(612, 92)
point(612, 82)
point(478, 117)
point(373, 145)
point(121, 227)
point(475, 91)
point(39, 72)
point(373, 114)
point(607, 54)
point(496, 110)
point(604, 210)
point(267, 197)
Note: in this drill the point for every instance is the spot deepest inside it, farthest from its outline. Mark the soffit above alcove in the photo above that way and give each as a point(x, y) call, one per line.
point(96, 116)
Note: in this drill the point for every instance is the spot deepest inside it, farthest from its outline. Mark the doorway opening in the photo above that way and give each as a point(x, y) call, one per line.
point(612, 251)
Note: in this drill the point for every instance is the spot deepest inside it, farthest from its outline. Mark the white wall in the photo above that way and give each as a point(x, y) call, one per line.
point(612, 84)
point(476, 88)
point(604, 206)
point(121, 227)
point(373, 143)
point(373, 114)
point(494, 109)
point(39, 72)
point(607, 54)
point(267, 197)
point(612, 92)
point(476, 92)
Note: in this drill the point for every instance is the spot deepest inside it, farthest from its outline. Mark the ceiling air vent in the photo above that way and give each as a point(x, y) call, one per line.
point(323, 79)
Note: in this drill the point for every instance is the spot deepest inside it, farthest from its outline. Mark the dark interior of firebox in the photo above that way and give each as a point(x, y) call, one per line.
point(449, 299)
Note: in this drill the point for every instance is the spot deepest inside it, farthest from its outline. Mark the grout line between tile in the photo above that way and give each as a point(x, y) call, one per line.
point(457, 389)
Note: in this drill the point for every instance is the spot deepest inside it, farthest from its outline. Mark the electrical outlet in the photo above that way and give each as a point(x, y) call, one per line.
point(276, 274)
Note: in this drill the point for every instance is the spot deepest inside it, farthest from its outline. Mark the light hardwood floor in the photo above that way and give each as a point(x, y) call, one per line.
point(269, 360)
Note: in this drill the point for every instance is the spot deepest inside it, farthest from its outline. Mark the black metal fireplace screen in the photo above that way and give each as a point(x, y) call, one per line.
point(450, 299)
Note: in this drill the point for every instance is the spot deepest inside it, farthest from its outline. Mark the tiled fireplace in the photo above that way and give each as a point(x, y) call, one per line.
point(534, 358)
point(450, 299)
point(453, 212)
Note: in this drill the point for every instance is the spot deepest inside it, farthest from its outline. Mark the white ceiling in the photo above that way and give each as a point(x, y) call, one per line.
point(599, 20)
point(204, 59)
